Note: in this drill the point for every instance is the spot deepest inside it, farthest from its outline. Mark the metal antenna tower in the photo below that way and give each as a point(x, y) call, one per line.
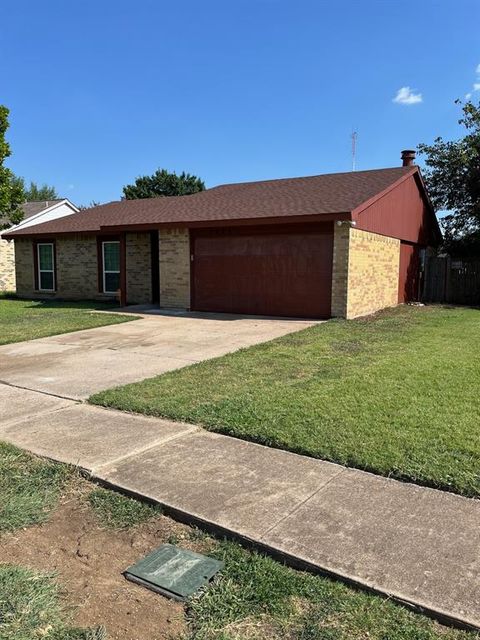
point(354, 149)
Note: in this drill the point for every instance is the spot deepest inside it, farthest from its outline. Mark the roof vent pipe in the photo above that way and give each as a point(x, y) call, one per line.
point(408, 157)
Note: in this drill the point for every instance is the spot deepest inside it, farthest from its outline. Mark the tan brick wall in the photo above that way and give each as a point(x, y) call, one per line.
point(7, 265)
point(139, 268)
point(24, 267)
point(174, 268)
point(365, 272)
point(373, 270)
point(76, 269)
point(341, 241)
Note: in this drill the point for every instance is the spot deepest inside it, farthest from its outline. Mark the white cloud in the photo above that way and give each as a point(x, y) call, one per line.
point(475, 85)
point(405, 95)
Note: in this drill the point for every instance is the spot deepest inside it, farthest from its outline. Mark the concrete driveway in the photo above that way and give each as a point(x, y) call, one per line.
point(75, 365)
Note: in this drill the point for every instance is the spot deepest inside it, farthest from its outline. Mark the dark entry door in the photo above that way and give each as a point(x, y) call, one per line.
point(263, 271)
point(409, 275)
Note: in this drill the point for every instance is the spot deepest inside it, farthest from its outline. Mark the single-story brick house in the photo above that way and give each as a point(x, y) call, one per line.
point(344, 244)
point(33, 213)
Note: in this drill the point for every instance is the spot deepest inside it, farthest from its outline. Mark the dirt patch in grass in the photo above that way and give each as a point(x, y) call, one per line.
point(89, 560)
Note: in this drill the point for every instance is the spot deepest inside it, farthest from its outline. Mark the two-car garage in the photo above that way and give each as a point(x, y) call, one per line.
point(264, 270)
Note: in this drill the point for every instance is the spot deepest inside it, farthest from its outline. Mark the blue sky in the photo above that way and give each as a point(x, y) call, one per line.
point(103, 91)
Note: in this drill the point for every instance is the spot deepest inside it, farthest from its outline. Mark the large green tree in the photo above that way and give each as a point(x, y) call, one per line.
point(35, 193)
point(163, 183)
point(11, 191)
point(453, 178)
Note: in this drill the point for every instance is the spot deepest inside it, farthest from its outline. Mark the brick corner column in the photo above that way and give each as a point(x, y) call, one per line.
point(174, 257)
point(341, 246)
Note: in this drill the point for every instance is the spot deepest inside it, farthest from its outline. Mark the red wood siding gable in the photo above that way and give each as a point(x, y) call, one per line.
point(403, 212)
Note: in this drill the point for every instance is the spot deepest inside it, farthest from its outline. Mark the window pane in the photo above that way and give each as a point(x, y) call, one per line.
point(112, 282)
point(45, 256)
point(46, 280)
point(111, 256)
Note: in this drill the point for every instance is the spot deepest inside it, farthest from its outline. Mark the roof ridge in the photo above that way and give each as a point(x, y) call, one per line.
point(251, 182)
point(315, 175)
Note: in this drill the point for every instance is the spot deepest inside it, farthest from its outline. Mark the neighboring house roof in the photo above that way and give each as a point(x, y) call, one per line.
point(33, 211)
point(330, 195)
point(40, 212)
point(32, 208)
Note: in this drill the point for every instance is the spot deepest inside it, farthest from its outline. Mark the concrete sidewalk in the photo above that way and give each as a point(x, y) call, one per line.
point(418, 545)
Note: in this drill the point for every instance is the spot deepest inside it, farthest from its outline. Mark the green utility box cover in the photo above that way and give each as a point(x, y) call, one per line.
point(173, 572)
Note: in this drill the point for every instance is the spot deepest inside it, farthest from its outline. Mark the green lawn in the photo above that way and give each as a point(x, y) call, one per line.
point(29, 488)
point(116, 511)
point(396, 394)
point(255, 598)
point(30, 608)
point(258, 598)
point(29, 319)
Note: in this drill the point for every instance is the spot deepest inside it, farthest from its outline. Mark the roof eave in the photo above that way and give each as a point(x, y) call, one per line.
point(20, 235)
point(229, 222)
point(189, 224)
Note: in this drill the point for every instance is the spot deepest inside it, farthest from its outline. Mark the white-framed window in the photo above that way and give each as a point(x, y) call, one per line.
point(111, 266)
point(46, 266)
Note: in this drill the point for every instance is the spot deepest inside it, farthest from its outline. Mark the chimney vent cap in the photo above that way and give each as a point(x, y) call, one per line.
point(408, 157)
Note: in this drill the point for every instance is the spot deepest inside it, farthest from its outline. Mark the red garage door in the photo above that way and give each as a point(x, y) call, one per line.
point(409, 276)
point(264, 271)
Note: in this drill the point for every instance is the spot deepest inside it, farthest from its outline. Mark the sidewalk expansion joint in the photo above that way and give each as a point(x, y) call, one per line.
point(46, 412)
point(151, 445)
point(300, 504)
point(44, 393)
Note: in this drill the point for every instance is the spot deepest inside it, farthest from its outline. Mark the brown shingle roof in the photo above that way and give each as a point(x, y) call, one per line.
point(333, 193)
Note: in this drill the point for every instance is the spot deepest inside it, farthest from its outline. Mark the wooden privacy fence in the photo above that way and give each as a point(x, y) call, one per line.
point(452, 281)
